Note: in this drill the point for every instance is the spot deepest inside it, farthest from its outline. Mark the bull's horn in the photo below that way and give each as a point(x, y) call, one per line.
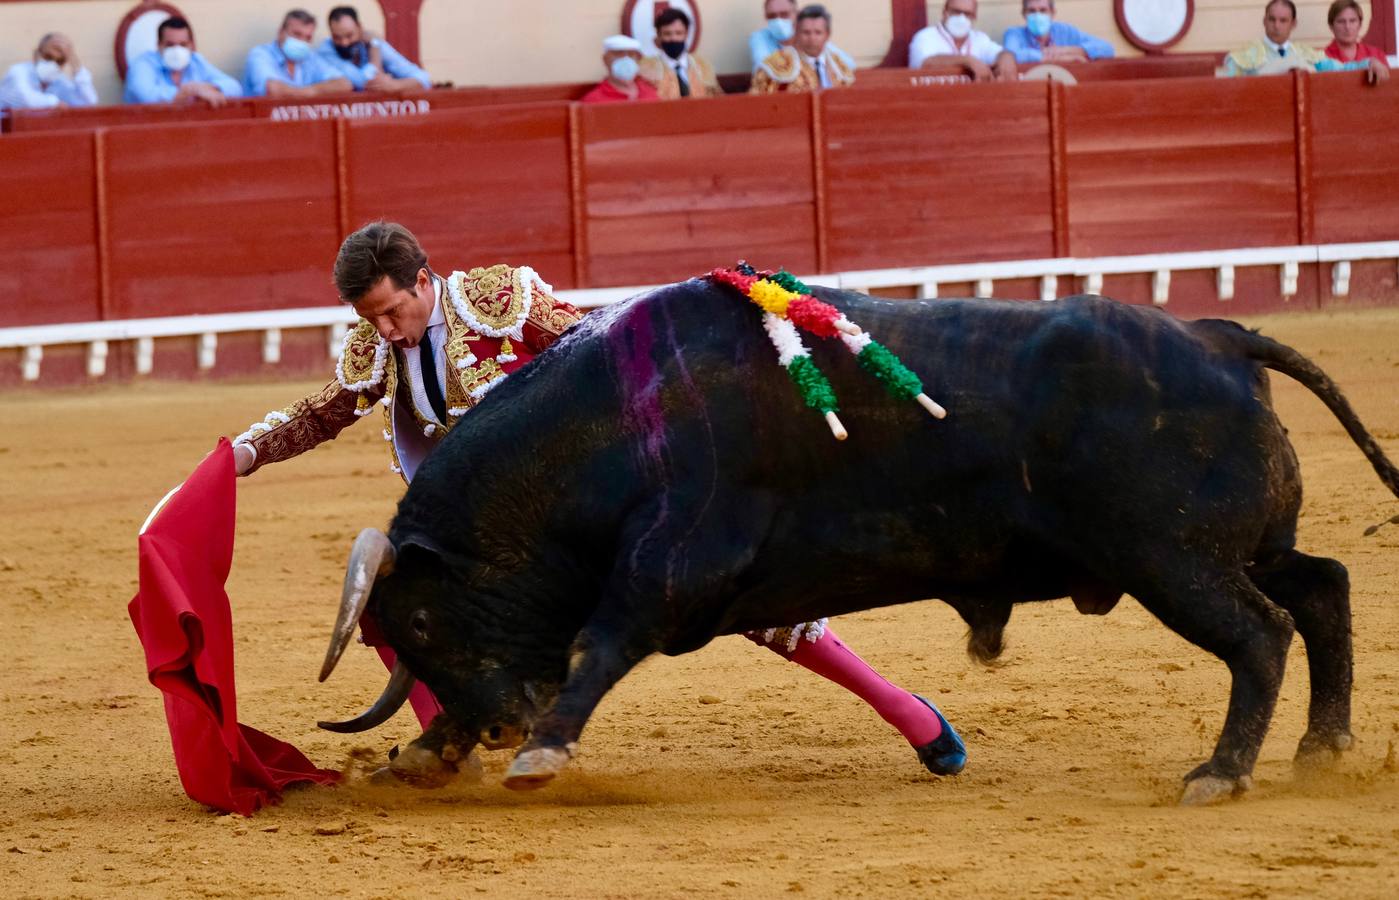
point(401, 681)
point(371, 556)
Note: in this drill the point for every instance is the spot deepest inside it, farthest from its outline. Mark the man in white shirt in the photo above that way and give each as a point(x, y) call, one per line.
point(955, 42)
point(55, 78)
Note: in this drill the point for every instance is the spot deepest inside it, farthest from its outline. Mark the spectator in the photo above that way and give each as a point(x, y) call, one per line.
point(174, 73)
point(1274, 52)
point(621, 56)
point(781, 28)
point(1041, 39)
point(54, 78)
point(954, 42)
point(370, 63)
point(288, 67)
point(1345, 19)
point(809, 64)
point(678, 73)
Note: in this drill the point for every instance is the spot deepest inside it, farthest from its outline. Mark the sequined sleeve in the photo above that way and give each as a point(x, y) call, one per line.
point(303, 425)
point(549, 317)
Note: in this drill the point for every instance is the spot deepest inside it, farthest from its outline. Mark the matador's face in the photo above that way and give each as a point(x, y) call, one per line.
point(400, 315)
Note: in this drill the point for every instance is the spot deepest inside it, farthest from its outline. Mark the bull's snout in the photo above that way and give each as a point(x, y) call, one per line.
point(503, 737)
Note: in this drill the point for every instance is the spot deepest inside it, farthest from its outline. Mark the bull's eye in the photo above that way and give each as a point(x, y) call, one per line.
point(419, 624)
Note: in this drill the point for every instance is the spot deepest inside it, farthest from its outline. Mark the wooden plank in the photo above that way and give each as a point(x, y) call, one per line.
point(673, 190)
point(1058, 171)
point(1302, 136)
point(221, 217)
point(921, 176)
point(48, 226)
point(1175, 165)
point(1355, 145)
point(477, 187)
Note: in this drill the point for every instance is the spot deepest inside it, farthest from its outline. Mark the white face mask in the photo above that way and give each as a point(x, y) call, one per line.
point(958, 25)
point(47, 70)
point(176, 58)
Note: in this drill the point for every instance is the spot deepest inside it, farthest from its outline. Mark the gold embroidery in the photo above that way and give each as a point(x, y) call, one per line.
point(495, 295)
point(359, 357)
point(552, 316)
point(476, 380)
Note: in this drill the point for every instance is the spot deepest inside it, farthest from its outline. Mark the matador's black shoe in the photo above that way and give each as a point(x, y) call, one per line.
point(944, 754)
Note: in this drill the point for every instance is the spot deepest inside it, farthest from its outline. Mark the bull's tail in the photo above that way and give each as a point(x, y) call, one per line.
point(1284, 359)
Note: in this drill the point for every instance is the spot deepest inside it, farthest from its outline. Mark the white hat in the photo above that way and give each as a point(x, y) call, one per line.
point(620, 43)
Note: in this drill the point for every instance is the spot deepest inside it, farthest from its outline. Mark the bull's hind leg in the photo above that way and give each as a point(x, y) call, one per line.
point(1225, 614)
point(1316, 591)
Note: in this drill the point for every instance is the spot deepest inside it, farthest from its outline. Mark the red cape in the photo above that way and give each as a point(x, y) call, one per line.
point(183, 620)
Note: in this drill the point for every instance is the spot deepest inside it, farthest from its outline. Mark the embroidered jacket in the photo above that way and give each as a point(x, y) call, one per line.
point(497, 319)
point(788, 70)
point(659, 72)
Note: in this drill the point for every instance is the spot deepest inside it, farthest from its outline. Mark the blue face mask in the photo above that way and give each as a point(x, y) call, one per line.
point(1038, 23)
point(781, 29)
point(296, 49)
point(624, 68)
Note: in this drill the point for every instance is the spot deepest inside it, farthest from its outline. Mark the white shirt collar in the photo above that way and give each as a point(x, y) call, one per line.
point(438, 317)
point(1277, 47)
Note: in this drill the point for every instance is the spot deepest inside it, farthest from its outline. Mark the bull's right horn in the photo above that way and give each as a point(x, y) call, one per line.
point(371, 557)
point(401, 682)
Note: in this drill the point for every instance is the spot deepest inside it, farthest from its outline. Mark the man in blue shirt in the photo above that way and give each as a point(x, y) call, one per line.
point(174, 73)
point(289, 67)
point(1042, 39)
point(369, 62)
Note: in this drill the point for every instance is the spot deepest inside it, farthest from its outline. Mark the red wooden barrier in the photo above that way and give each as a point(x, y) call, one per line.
point(89, 118)
point(943, 174)
point(48, 228)
point(1355, 143)
point(331, 106)
point(477, 187)
point(673, 189)
point(220, 217)
point(1188, 164)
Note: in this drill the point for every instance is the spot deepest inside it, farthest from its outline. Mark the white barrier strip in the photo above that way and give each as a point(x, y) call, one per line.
point(336, 319)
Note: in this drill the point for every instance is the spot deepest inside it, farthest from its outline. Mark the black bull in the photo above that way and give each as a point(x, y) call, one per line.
point(653, 482)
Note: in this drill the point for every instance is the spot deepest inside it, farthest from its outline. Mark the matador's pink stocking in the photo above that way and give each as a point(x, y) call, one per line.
point(831, 659)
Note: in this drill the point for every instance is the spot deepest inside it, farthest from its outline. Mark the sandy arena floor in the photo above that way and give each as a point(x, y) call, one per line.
point(724, 773)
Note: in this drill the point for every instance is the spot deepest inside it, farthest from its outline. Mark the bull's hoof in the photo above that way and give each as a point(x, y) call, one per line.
point(945, 754)
point(1208, 789)
point(532, 769)
point(1319, 753)
point(422, 768)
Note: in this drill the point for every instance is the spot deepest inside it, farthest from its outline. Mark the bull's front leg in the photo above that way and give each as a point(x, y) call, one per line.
point(604, 652)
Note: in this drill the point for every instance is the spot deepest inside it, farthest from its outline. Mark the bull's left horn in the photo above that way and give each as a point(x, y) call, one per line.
point(401, 681)
point(371, 557)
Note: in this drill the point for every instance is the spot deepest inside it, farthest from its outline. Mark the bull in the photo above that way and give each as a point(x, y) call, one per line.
point(677, 491)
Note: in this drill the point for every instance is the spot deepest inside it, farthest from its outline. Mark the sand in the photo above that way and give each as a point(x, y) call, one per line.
point(727, 772)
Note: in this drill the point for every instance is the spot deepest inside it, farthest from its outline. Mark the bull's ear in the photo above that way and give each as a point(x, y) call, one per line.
point(419, 543)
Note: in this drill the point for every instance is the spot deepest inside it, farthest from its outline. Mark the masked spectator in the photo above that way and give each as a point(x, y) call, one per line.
point(781, 28)
point(174, 73)
point(1274, 52)
point(1345, 19)
point(676, 72)
point(55, 78)
point(370, 63)
point(621, 56)
point(809, 64)
point(1042, 39)
point(954, 41)
point(288, 67)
